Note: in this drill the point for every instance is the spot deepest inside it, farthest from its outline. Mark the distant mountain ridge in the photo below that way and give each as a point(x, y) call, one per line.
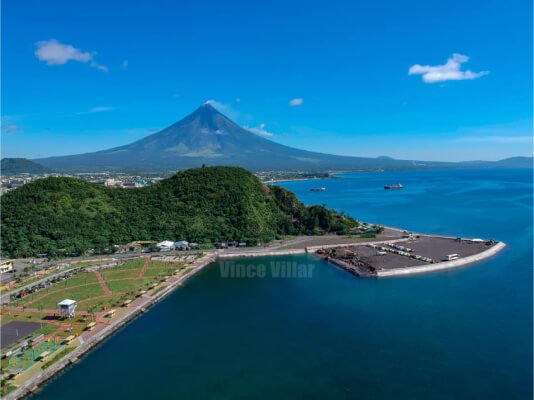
point(21, 166)
point(207, 137)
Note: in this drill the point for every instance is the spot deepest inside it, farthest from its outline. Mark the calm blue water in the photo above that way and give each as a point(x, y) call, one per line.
point(463, 334)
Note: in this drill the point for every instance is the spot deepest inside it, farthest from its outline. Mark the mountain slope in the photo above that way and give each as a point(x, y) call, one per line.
point(67, 215)
point(208, 137)
point(21, 166)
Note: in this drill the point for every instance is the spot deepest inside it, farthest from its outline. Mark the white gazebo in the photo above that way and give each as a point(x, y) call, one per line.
point(67, 308)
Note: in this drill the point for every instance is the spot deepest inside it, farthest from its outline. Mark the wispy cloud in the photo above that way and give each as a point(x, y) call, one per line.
point(450, 71)
point(500, 139)
point(52, 52)
point(225, 108)
point(260, 130)
point(97, 110)
point(11, 128)
point(125, 64)
point(296, 102)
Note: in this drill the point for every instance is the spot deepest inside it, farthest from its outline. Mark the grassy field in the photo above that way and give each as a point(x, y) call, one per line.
point(53, 297)
point(123, 281)
point(130, 285)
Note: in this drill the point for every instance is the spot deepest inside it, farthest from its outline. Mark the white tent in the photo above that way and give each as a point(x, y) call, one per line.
point(182, 245)
point(165, 243)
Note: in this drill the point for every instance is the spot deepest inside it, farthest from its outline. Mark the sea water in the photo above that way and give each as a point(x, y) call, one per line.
point(326, 334)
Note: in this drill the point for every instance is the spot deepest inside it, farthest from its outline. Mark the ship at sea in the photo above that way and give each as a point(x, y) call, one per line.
point(318, 189)
point(392, 187)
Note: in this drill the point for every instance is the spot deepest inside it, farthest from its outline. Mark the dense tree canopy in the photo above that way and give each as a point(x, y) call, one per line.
point(68, 216)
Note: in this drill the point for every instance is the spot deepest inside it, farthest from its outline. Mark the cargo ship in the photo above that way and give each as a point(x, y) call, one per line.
point(392, 187)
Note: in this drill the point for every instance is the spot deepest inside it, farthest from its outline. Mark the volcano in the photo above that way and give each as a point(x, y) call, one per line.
point(207, 137)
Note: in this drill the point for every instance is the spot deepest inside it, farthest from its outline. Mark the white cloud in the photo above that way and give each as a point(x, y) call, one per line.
point(238, 100)
point(260, 130)
point(55, 53)
point(226, 109)
point(450, 71)
point(296, 102)
point(99, 67)
point(97, 110)
point(125, 64)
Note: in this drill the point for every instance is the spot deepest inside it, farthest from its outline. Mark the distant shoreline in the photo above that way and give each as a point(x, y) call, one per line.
point(298, 179)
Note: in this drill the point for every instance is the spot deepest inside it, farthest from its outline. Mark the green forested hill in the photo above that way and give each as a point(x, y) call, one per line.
point(21, 165)
point(66, 215)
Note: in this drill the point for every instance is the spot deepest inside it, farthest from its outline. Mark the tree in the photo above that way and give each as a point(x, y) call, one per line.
point(30, 347)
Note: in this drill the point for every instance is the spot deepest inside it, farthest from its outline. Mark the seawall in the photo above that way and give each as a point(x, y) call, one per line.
point(262, 253)
point(420, 269)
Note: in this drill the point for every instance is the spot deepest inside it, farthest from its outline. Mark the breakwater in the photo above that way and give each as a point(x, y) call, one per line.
point(420, 269)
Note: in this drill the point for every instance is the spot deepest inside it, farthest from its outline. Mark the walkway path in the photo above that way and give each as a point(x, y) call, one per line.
point(143, 270)
point(49, 311)
point(105, 288)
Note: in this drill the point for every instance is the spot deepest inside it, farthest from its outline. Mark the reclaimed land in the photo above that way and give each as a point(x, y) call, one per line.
point(414, 254)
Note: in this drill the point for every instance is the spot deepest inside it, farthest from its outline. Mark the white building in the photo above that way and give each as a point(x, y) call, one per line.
point(181, 245)
point(6, 266)
point(67, 308)
point(166, 245)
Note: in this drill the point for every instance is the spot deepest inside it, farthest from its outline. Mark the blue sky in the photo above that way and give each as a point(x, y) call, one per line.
point(429, 80)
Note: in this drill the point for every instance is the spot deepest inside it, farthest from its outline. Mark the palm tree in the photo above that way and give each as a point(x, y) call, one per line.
point(30, 347)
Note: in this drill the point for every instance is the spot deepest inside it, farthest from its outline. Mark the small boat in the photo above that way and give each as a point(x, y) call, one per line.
point(392, 187)
point(318, 189)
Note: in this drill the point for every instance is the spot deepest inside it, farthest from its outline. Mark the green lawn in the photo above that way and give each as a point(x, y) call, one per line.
point(163, 268)
point(137, 263)
point(81, 278)
point(98, 305)
point(157, 272)
point(78, 294)
point(120, 274)
point(122, 280)
point(129, 285)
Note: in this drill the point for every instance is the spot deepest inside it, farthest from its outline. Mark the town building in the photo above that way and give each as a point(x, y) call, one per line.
point(6, 266)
